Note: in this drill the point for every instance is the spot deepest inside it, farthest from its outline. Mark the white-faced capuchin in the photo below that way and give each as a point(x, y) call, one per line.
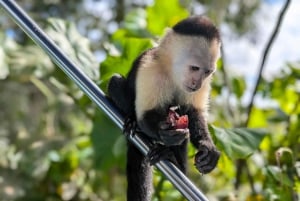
point(167, 93)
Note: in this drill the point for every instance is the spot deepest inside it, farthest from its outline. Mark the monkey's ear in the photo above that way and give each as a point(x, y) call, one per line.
point(167, 38)
point(215, 49)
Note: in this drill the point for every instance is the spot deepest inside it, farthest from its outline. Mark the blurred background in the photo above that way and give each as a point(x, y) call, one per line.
point(55, 144)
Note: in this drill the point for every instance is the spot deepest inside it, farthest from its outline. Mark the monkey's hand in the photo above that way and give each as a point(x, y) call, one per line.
point(174, 130)
point(207, 157)
point(171, 137)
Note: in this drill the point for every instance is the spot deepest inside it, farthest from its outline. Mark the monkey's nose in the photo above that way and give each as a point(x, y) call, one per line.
point(194, 86)
point(194, 83)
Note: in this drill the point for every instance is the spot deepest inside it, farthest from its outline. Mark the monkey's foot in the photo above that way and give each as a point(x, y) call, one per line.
point(159, 152)
point(130, 126)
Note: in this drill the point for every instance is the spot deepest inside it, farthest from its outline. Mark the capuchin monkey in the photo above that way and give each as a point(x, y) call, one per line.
point(173, 77)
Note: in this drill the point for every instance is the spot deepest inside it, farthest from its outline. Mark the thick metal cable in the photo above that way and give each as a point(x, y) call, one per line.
point(173, 174)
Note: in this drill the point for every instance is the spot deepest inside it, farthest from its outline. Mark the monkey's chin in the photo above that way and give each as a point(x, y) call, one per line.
point(191, 89)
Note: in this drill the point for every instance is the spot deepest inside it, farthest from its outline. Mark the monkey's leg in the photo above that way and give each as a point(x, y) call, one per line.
point(139, 175)
point(180, 153)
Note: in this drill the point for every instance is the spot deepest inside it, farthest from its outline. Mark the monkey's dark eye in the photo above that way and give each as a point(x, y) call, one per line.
point(207, 71)
point(194, 68)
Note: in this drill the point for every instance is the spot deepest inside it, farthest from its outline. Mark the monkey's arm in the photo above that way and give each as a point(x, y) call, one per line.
point(207, 156)
point(154, 124)
point(120, 95)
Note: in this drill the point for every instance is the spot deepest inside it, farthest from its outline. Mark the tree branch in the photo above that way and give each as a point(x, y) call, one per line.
point(264, 58)
point(241, 164)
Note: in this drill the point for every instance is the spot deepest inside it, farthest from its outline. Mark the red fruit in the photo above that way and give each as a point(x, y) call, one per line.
point(182, 122)
point(176, 121)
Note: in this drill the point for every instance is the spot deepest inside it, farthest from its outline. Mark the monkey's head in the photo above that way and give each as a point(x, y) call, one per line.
point(194, 44)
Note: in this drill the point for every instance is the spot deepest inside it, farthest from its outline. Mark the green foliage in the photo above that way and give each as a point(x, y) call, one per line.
point(44, 135)
point(164, 14)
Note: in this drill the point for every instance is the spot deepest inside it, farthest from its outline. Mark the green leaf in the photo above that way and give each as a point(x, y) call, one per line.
point(276, 174)
point(238, 143)
point(164, 14)
point(258, 118)
point(238, 86)
point(278, 116)
point(107, 144)
point(77, 47)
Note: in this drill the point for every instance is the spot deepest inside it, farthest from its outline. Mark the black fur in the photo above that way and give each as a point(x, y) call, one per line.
point(139, 173)
point(197, 26)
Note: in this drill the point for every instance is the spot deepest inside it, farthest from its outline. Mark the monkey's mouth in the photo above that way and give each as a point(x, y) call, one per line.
point(192, 89)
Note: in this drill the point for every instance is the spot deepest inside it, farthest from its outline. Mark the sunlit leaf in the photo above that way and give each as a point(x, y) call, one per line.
point(238, 86)
point(74, 45)
point(256, 197)
point(72, 157)
point(238, 142)
point(226, 166)
point(164, 14)
point(258, 118)
point(278, 116)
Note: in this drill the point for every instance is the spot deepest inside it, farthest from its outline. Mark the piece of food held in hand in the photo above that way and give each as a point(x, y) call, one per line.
point(176, 121)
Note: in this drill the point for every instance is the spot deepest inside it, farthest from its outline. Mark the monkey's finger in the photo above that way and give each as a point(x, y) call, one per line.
point(165, 125)
point(159, 153)
point(173, 137)
point(202, 153)
point(209, 167)
point(205, 169)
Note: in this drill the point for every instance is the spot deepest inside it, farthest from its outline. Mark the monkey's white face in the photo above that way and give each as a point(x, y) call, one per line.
point(193, 64)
